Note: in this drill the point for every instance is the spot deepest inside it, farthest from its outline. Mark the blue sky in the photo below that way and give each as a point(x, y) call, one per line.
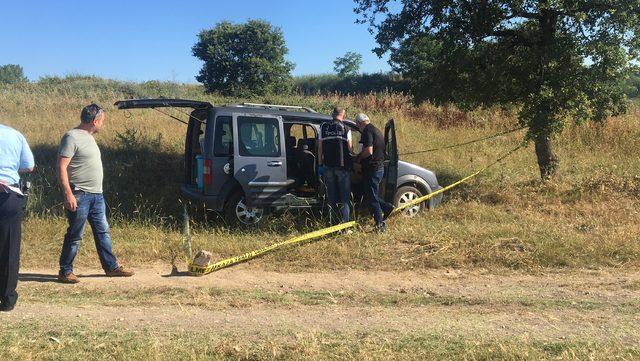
point(146, 40)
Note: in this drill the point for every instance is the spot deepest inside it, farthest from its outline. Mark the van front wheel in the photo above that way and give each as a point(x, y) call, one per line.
point(238, 213)
point(407, 194)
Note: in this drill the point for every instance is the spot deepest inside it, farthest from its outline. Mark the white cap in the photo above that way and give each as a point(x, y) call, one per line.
point(361, 118)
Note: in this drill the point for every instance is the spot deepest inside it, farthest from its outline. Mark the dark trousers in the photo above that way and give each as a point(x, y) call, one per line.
point(372, 179)
point(11, 211)
point(338, 183)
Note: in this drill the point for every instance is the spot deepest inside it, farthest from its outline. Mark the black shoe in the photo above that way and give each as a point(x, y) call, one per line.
point(386, 214)
point(6, 307)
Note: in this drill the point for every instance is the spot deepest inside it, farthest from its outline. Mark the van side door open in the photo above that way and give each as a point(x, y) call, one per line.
point(260, 164)
point(391, 159)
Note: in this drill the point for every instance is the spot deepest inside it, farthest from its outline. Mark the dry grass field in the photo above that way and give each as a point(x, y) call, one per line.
point(508, 267)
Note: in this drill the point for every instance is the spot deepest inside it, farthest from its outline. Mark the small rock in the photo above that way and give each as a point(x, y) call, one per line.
point(202, 259)
point(54, 339)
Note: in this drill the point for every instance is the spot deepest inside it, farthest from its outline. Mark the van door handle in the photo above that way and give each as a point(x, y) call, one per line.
point(274, 163)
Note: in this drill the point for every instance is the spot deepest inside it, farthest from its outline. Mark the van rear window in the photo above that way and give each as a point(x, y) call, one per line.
point(223, 136)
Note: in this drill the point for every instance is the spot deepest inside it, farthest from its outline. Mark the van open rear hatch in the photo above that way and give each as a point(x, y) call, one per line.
point(161, 103)
point(195, 127)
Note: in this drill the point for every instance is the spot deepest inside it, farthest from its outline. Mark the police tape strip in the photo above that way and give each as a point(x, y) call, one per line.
point(433, 194)
point(196, 270)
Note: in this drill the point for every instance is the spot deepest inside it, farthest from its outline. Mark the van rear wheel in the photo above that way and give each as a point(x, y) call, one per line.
point(238, 213)
point(407, 194)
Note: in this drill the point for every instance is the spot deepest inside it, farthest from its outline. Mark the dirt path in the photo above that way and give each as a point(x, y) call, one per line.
point(584, 304)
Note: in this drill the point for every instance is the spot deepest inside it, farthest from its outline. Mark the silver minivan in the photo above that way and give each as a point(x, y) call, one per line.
point(248, 160)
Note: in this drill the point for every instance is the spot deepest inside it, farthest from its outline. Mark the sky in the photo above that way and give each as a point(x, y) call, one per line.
point(151, 40)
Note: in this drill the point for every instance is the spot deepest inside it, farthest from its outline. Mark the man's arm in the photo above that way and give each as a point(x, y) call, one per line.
point(349, 140)
point(26, 158)
point(366, 151)
point(367, 146)
point(320, 152)
point(70, 202)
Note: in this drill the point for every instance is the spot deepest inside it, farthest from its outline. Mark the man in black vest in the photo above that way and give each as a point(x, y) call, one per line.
point(371, 158)
point(334, 163)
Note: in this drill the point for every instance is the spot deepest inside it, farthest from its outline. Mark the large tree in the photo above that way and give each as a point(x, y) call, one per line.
point(243, 59)
point(557, 60)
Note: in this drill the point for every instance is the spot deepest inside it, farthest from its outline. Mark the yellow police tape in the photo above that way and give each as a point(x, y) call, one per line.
point(433, 194)
point(196, 270)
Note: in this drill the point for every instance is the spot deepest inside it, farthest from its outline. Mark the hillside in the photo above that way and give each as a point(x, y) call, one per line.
point(505, 218)
point(506, 268)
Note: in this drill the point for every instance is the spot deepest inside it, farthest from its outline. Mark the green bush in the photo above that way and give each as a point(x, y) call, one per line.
point(355, 84)
point(12, 74)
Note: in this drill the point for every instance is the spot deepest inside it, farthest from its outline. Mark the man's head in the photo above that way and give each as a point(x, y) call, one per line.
point(362, 120)
point(92, 117)
point(338, 113)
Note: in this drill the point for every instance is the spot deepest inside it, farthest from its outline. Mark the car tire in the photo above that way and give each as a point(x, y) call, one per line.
point(236, 212)
point(406, 194)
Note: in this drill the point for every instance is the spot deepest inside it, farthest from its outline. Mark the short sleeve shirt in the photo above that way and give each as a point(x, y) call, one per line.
point(15, 154)
point(85, 168)
point(372, 137)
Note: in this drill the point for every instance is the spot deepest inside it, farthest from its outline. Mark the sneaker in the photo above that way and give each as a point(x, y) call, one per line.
point(68, 278)
point(120, 272)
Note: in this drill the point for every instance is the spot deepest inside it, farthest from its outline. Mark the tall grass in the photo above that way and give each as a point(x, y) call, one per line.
point(505, 218)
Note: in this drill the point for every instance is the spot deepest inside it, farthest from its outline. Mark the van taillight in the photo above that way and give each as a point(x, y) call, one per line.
point(207, 178)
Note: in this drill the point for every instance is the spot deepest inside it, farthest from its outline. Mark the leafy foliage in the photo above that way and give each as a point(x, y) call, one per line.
point(632, 86)
point(12, 74)
point(243, 59)
point(357, 84)
point(348, 64)
point(559, 60)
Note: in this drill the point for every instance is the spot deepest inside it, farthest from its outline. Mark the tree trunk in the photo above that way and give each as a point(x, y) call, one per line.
point(547, 160)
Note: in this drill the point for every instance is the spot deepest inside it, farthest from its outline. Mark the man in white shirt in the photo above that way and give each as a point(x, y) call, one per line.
point(15, 158)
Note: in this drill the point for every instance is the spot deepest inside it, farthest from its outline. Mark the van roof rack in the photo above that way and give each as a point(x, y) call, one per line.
point(277, 106)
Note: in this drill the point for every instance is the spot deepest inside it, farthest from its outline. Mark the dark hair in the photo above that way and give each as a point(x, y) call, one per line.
point(89, 113)
point(337, 111)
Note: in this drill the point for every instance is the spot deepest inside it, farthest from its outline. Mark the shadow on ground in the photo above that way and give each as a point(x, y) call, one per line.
point(37, 277)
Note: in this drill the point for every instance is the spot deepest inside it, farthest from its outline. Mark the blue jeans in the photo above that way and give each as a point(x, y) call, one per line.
point(92, 208)
point(372, 179)
point(338, 183)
